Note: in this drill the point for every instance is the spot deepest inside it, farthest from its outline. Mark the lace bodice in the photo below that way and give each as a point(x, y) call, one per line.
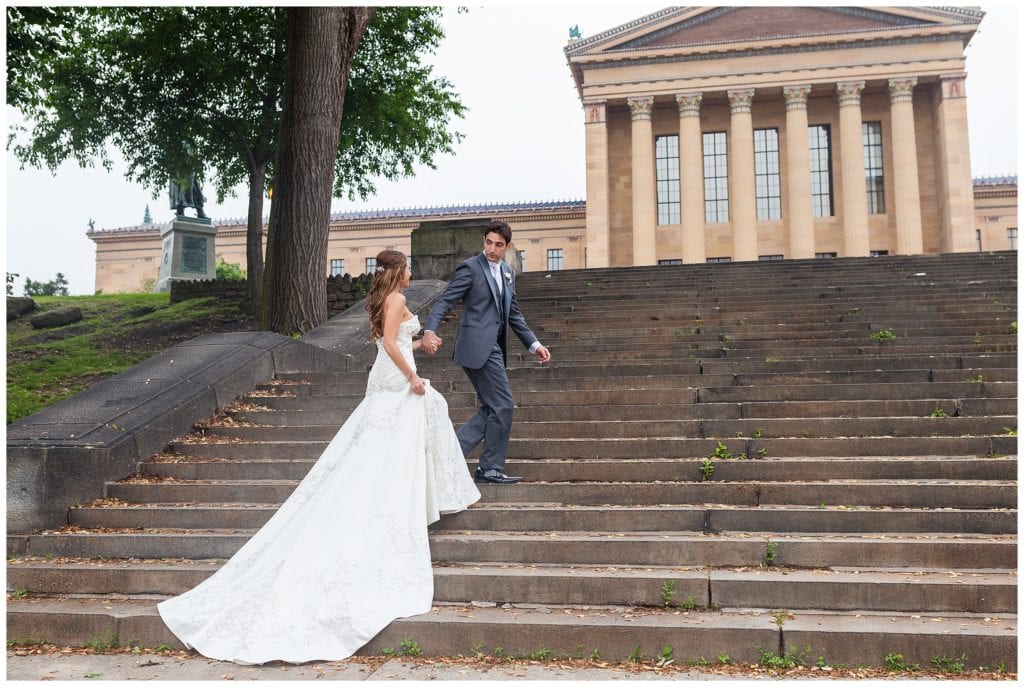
point(385, 375)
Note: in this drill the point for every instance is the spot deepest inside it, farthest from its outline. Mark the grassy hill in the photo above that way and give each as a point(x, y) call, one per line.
point(117, 331)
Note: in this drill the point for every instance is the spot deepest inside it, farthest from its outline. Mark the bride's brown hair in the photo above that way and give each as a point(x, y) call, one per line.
point(387, 278)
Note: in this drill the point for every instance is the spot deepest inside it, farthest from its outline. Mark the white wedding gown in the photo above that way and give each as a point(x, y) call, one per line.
point(347, 553)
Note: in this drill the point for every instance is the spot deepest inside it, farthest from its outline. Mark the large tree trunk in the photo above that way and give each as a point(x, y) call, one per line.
point(321, 42)
point(254, 237)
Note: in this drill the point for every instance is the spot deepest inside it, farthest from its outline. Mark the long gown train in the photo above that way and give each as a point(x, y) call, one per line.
point(347, 552)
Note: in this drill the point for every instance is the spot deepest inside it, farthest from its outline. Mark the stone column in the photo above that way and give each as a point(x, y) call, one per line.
point(691, 178)
point(851, 153)
point(953, 165)
point(742, 194)
point(799, 210)
point(645, 211)
point(909, 239)
point(598, 210)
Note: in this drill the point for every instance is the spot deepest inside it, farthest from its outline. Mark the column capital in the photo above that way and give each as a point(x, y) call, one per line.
point(848, 92)
point(689, 104)
point(594, 111)
point(740, 99)
point(640, 106)
point(902, 90)
point(796, 96)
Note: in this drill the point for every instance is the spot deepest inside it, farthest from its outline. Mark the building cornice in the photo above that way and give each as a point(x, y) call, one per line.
point(402, 218)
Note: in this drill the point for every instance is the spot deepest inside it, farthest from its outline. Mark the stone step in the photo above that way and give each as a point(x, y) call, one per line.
point(637, 470)
point(441, 368)
point(793, 589)
point(611, 632)
point(625, 429)
point(822, 330)
point(895, 493)
point(658, 447)
point(795, 549)
point(450, 383)
point(547, 518)
point(669, 292)
point(976, 407)
point(517, 356)
point(873, 392)
point(699, 394)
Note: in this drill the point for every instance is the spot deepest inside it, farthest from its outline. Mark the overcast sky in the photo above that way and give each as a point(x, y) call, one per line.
point(524, 136)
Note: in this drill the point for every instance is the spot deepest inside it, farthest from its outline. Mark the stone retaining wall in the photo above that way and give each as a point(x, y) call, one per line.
point(342, 291)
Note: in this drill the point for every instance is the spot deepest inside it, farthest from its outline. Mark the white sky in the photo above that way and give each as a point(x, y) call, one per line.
point(508, 66)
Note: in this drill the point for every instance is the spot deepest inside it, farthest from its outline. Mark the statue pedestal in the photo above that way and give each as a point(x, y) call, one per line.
point(188, 252)
point(438, 247)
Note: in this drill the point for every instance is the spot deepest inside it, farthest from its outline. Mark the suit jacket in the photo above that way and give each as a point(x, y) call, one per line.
point(486, 316)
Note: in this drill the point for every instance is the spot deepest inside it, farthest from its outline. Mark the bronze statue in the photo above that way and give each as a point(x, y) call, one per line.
point(185, 191)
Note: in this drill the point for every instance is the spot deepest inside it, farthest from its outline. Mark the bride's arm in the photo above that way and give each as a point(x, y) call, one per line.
point(394, 308)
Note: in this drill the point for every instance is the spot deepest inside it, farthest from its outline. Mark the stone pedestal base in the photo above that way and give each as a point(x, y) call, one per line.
point(438, 247)
point(188, 252)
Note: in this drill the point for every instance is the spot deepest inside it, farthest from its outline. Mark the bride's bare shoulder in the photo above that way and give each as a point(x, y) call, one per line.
point(395, 298)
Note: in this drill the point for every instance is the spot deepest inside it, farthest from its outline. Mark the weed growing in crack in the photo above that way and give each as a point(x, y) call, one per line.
point(668, 590)
point(408, 647)
point(950, 665)
point(792, 658)
point(707, 470)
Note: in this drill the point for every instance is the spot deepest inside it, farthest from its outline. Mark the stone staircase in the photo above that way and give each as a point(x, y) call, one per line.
point(812, 458)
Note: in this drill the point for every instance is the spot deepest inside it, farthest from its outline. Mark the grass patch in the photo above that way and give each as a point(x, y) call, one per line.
point(116, 332)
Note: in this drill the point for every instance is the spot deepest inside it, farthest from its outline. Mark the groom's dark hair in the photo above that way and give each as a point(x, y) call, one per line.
point(499, 227)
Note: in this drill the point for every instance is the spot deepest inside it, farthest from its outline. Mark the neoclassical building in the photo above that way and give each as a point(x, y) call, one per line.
point(746, 133)
point(723, 134)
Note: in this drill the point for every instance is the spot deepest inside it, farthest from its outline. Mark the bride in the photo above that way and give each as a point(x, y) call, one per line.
point(347, 552)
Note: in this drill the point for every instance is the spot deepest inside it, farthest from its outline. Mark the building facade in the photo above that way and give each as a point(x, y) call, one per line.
point(745, 133)
point(719, 134)
point(548, 235)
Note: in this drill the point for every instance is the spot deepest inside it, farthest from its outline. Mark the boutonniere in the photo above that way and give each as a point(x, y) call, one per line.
point(508, 276)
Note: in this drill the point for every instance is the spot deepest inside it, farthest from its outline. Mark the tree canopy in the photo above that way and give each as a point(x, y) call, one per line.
point(146, 79)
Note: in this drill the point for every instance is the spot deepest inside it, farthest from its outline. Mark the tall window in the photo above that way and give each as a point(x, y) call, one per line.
point(371, 265)
point(666, 164)
point(554, 259)
point(872, 134)
point(522, 260)
point(977, 237)
point(766, 174)
point(716, 178)
point(337, 267)
point(820, 139)
point(1011, 237)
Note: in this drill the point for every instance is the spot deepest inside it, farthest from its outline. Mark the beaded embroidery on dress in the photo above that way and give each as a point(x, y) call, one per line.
point(347, 552)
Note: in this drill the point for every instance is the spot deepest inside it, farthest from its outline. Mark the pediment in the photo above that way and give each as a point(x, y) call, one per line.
point(696, 26)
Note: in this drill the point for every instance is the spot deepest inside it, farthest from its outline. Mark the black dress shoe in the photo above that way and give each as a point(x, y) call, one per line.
point(495, 477)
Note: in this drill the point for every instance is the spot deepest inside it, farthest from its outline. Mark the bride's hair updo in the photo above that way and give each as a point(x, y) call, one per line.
point(387, 278)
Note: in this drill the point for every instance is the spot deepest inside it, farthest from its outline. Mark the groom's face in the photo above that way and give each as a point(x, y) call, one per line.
point(495, 246)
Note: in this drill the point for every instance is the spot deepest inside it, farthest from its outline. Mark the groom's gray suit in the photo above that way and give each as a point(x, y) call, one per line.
point(480, 349)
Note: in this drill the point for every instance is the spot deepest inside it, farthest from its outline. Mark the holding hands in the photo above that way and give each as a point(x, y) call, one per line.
point(431, 342)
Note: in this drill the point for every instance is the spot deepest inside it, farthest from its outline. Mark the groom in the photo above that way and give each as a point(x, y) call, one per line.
point(485, 286)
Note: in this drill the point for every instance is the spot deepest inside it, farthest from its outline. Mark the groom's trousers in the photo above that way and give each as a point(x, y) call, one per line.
point(492, 422)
